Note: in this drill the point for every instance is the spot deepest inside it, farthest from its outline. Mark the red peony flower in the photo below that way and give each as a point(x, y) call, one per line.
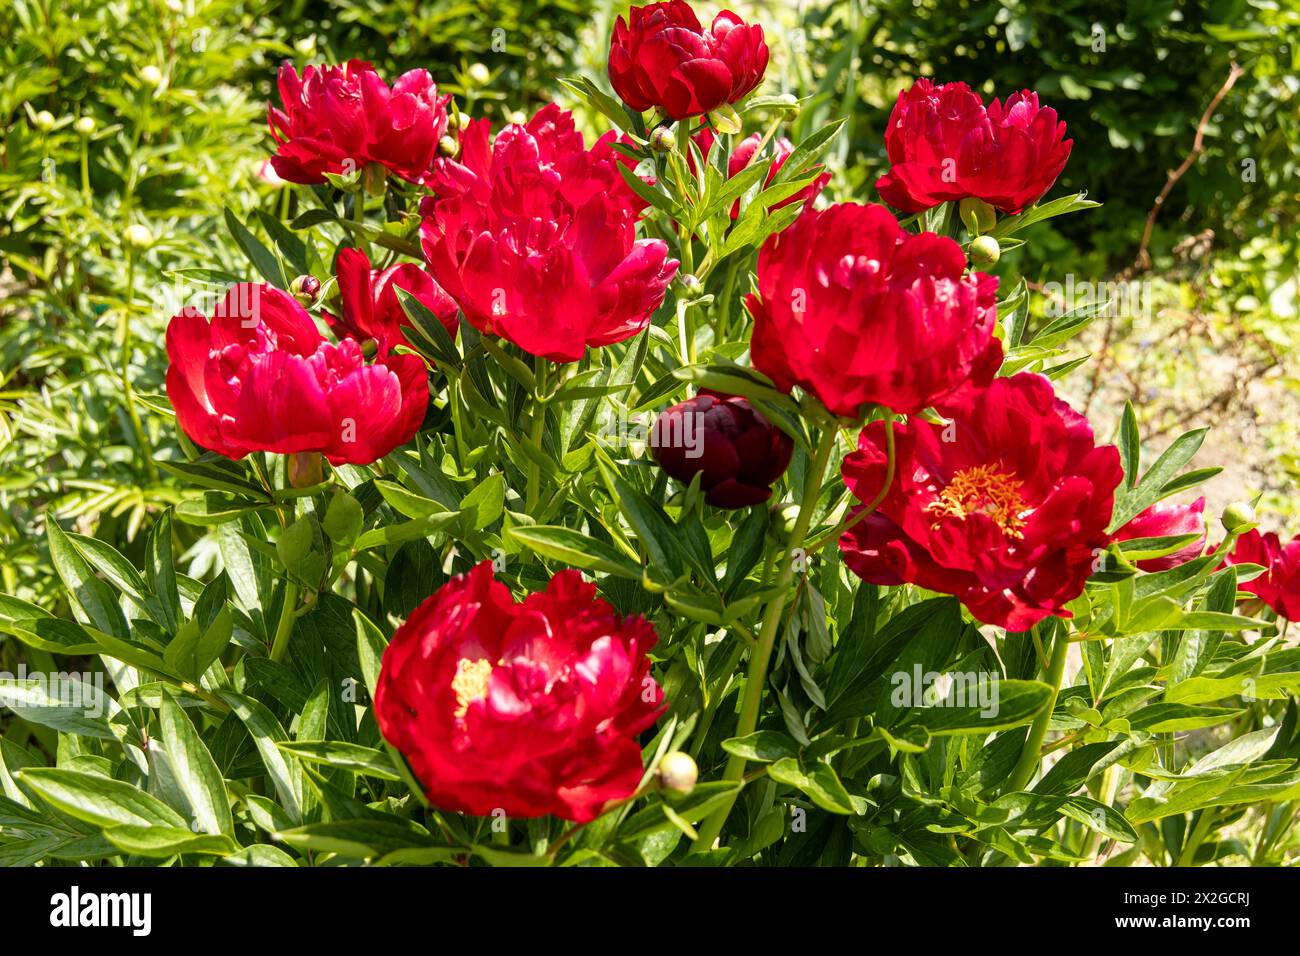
point(944, 144)
point(743, 155)
point(1163, 520)
point(1279, 585)
point(338, 119)
point(535, 239)
point(855, 310)
point(260, 377)
point(1005, 506)
point(661, 56)
point(531, 708)
point(371, 308)
point(738, 451)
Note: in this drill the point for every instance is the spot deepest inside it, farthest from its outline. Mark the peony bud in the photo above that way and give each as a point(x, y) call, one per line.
point(374, 178)
point(447, 146)
point(305, 289)
point(457, 120)
point(306, 468)
point(138, 236)
point(480, 74)
point(692, 287)
point(85, 126)
point(677, 772)
point(736, 451)
point(985, 251)
point(1238, 518)
point(45, 121)
point(663, 140)
point(151, 75)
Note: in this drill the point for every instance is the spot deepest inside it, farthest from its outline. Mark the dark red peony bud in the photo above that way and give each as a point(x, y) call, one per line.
point(739, 452)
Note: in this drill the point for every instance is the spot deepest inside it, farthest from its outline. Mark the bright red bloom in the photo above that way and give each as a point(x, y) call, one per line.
point(531, 708)
point(1279, 585)
point(743, 155)
point(661, 56)
point(1008, 514)
point(1164, 520)
point(854, 309)
point(535, 239)
point(738, 451)
point(338, 119)
point(371, 308)
point(260, 377)
point(944, 144)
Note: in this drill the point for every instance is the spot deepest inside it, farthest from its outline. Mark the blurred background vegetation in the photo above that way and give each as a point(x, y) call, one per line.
point(151, 113)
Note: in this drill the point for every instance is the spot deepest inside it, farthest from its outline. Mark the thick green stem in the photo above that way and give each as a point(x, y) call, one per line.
point(761, 655)
point(1030, 756)
point(284, 629)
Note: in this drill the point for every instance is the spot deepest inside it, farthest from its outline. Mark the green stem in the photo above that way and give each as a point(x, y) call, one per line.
point(1197, 837)
point(359, 217)
point(128, 393)
point(761, 655)
point(284, 629)
point(536, 435)
point(1030, 756)
point(850, 522)
point(85, 168)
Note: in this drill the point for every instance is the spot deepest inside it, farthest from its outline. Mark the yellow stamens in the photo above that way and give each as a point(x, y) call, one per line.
point(982, 490)
point(470, 683)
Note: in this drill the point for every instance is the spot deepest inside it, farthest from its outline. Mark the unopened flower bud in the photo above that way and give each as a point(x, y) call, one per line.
point(374, 178)
point(306, 45)
point(736, 451)
point(151, 75)
point(85, 126)
point(457, 120)
point(692, 287)
point(518, 117)
point(305, 289)
point(663, 140)
point(138, 236)
point(985, 251)
point(45, 121)
point(306, 468)
point(1238, 518)
point(677, 772)
point(480, 74)
point(447, 146)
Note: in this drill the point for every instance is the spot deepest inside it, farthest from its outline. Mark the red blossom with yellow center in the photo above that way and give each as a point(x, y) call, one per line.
point(1005, 505)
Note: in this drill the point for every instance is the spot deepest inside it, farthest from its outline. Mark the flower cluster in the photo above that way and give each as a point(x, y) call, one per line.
point(985, 487)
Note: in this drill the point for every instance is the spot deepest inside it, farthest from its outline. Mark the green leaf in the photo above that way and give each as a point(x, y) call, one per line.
point(195, 771)
point(351, 757)
point(267, 734)
point(821, 784)
point(162, 841)
point(99, 800)
point(998, 705)
point(763, 746)
point(576, 549)
point(86, 592)
point(60, 701)
point(263, 260)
